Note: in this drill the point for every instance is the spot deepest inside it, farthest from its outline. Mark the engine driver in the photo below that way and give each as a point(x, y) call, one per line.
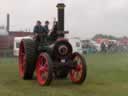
point(40, 34)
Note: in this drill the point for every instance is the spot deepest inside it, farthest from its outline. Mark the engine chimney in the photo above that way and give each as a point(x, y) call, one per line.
point(8, 22)
point(61, 7)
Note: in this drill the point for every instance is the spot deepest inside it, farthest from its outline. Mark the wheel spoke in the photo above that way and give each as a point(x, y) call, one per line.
point(79, 67)
point(77, 75)
point(43, 69)
point(78, 60)
point(73, 72)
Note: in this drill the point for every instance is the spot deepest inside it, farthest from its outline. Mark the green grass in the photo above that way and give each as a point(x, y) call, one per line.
point(107, 76)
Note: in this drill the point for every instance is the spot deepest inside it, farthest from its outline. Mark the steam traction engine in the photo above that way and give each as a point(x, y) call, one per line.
point(52, 58)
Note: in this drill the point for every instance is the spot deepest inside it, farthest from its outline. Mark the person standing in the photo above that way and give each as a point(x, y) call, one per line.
point(46, 27)
point(103, 47)
point(39, 34)
point(38, 30)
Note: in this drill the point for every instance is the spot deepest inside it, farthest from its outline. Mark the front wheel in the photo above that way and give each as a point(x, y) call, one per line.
point(44, 69)
point(78, 74)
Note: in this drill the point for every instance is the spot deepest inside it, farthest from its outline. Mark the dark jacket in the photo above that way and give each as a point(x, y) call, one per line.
point(46, 28)
point(38, 29)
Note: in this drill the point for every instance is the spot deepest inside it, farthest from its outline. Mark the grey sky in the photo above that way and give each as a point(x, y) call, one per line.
point(84, 18)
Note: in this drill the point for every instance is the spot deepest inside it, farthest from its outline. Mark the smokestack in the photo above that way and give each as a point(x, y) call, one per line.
point(61, 7)
point(8, 22)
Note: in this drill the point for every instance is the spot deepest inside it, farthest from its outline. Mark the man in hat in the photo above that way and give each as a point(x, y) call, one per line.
point(39, 34)
point(38, 28)
point(46, 27)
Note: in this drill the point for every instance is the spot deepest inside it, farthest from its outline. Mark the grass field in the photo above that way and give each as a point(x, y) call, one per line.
point(107, 76)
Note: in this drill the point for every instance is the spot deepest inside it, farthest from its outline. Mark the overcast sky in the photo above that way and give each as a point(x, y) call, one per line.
point(83, 18)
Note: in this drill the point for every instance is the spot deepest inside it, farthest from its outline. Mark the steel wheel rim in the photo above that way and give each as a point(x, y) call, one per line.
point(22, 60)
point(76, 74)
point(42, 69)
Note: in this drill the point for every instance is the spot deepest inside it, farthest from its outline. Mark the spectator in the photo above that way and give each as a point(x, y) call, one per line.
point(103, 47)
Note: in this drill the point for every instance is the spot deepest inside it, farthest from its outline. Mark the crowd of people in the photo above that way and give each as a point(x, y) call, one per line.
point(113, 47)
point(110, 47)
point(90, 46)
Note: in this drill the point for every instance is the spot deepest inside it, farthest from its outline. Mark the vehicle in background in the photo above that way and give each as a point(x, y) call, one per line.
point(16, 44)
point(76, 44)
point(96, 45)
point(90, 46)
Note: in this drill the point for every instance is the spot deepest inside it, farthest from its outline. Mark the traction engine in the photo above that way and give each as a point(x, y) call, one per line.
point(52, 59)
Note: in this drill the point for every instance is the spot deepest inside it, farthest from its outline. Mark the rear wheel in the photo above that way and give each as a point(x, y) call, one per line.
point(44, 69)
point(27, 58)
point(78, 74)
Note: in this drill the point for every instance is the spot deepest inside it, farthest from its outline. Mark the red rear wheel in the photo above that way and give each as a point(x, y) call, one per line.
point(78, 74)
point(44, 69)
point(27, 59)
